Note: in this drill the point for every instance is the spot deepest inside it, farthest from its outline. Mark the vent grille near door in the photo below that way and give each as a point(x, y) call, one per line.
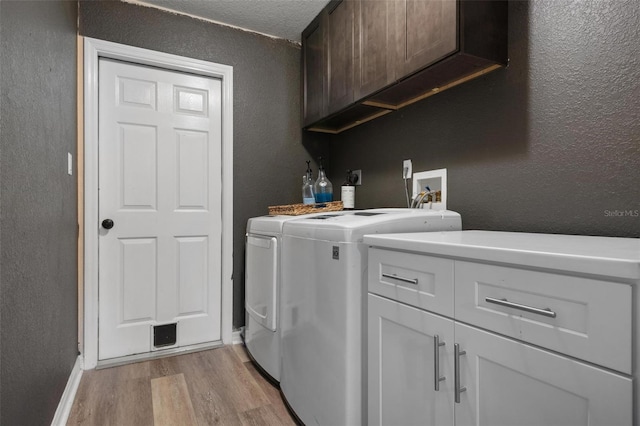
point(164, 335)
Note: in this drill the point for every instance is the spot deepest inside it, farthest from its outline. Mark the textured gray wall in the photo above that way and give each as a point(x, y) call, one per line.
point(268, 157)
point(551, 144)
point(37, 208)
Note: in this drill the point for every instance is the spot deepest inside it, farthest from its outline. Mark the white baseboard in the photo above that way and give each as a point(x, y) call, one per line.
point(236, 336)
point(148, 356)
point(69, 394)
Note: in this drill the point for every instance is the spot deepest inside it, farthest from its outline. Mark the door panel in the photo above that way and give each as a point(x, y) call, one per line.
point(138, 279)
point(340, 35)
point(426, 32)
point(159, 181)
point(375, 38)
point(402, 365)
point(138, 145)
point(136, 93)
point(261, 279)
point(509, 383)
point(193, 170)
point(313, 62)
point(191, 101)
point(192, 275)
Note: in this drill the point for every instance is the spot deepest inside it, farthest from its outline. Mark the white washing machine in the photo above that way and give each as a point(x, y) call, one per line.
point(323, 308)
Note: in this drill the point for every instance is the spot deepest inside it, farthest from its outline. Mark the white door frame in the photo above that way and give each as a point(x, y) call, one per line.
point(94, 49)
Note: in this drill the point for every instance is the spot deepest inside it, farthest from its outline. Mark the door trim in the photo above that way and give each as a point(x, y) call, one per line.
point(93, 50)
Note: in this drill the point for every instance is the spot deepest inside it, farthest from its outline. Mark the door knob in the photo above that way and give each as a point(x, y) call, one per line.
point(107, 224)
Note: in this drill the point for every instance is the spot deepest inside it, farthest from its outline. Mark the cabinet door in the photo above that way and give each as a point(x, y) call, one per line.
point(402, 365)
point(510, 383)
point(339, 51)
point(427, 30)
point(313, 71)
point(374, 50)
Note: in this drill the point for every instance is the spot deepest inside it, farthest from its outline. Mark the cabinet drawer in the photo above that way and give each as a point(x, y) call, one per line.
point(581, 317)
point(422, 281)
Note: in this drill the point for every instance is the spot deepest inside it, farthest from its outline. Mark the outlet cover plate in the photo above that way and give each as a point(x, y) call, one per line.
point(407, 164)
point(359, 174)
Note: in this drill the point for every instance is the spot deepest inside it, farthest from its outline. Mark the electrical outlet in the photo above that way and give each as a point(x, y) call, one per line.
point(407, 169)
point(359, 174)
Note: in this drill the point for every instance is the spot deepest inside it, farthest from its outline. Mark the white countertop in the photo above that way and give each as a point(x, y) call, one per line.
point(605, 256)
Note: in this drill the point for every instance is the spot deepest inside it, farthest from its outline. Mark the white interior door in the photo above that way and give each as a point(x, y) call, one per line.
point(160, 184)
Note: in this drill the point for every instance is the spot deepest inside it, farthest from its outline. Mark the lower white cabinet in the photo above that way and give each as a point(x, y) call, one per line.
point(510, 383)
point(404, 362)
point(503, 329)
point(500, 381)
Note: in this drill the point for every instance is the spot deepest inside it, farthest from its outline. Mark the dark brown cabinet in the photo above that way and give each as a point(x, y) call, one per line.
point(375, 38)
point(476, 46)
point(426, 32)
point(382, 55)
point(339, 46)
point(313, 72)
point(330, 64)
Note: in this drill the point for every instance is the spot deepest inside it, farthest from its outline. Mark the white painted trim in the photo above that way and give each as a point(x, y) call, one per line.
point(237, 336)
point(68, 396)
point(93, 49)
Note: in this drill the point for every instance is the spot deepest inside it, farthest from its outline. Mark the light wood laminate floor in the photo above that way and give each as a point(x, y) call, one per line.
point(215, 387)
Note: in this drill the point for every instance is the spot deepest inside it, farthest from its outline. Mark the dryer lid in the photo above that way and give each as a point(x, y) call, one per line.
point(272, 225)
point(353, 226)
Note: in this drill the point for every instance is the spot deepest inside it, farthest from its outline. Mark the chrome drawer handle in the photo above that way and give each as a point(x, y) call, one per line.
point(504, 302)
point(457, 353)
point(404, 280)
point(436, 362)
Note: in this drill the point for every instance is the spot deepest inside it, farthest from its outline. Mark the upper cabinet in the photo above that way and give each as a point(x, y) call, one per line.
point(380, 56)
point(313, 72)
point(375, 38)
point(339, 43)
point(427, 32)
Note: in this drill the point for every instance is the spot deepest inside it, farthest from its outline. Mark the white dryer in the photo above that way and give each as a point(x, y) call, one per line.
point(262, 290)
point(323, 308)
point(261, 280)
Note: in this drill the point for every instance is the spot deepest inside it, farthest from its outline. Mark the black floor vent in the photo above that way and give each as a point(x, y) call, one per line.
point(164, 335)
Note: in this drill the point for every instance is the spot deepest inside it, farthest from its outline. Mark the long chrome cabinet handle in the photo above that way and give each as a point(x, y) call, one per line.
point(436, 362)
point(457, 353)
point(504, 302)
point(403, 279)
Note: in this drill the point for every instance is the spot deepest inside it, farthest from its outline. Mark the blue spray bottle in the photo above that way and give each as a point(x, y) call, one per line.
point(323, 189)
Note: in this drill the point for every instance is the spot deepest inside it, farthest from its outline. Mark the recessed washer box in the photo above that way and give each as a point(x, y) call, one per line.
point(436, 180)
